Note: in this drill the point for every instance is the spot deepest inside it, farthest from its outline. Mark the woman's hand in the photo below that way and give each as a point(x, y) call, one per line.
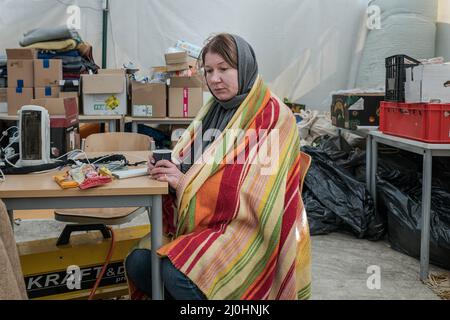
point(165, 171)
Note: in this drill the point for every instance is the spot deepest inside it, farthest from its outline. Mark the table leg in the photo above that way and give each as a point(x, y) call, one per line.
point(122, 124)
point(155, 213)
point(134, 127)
point(426, 207)
point(368, 162)
point(373, 166)
point(112, 126)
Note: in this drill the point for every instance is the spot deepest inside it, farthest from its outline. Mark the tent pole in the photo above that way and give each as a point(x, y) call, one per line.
point(105, 32)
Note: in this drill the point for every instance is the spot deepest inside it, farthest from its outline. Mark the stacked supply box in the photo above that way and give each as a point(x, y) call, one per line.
point(20, 66)
point(47, 75)
point(185, 96)
point(70, 89)
point(30, 78)
point(176, 61)
point(180, 64)
point(350, 110)
point(148, 100)
point(428, 83)
point(104, 93)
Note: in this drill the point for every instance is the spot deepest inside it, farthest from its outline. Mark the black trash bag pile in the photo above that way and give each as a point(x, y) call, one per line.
point(335, 194)
point(399, 191)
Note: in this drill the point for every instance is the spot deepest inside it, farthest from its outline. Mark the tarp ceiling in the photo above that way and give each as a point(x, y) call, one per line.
point(305, 48)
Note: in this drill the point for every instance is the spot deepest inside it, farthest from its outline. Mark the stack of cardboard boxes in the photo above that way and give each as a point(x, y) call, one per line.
point(33, 81)
point(20, 67)
point(185, 91)
point(29, 78)
point(181, 96)
point(47, 75)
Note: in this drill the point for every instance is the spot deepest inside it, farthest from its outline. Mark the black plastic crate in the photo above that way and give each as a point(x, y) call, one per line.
point(396, 76)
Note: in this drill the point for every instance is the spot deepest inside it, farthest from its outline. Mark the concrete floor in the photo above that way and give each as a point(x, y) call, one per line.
point(339, 271)
point(339, 268)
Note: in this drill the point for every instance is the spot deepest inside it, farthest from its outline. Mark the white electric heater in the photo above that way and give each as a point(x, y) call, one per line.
point(34, 133)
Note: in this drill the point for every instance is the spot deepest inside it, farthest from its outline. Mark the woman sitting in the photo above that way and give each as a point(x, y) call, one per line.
point(235, 217)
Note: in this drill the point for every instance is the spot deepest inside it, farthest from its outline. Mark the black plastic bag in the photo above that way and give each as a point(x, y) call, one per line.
point(321, 219)
point(161, 139)
point(404, 214)
point(334, 199)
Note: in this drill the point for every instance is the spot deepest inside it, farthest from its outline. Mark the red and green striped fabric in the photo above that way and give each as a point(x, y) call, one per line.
point(238, 226)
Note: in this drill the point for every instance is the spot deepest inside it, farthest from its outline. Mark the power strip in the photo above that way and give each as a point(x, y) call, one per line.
point(130, 173)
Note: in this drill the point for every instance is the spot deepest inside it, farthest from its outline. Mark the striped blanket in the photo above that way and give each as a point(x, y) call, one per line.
point(238, 225)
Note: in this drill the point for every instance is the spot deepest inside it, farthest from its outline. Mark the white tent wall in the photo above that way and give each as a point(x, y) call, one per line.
point(443, 30)
point(406, 27)
point(305, 48)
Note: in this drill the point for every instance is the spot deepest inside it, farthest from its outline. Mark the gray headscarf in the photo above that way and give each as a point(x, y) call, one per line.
point(221, 112)
point(247, 73)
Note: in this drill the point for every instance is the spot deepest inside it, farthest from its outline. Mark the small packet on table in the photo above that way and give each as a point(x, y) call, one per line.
point(65, 181)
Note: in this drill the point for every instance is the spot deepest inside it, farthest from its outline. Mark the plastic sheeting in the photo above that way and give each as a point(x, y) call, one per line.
point(305, 48)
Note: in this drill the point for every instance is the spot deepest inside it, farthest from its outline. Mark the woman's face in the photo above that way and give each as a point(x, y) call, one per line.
point(222, 79)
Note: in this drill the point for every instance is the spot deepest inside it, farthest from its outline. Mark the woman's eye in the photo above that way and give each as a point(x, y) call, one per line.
point(208, 71)
point(223, 69)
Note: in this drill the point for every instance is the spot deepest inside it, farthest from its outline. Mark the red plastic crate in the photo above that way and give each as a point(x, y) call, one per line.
point(418, 121)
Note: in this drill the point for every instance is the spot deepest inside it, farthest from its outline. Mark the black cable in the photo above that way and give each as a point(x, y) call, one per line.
point(31, 169)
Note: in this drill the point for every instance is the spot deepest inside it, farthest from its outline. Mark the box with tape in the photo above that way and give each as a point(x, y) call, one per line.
point(47, 72)
point(148, 99)
point(185, 96)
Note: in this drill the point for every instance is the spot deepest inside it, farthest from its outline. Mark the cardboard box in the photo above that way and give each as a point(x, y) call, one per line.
point(176, 57)
point(3, 100)
point(104, 94)
point(70, 89)
point(20, 73)
point(21, 54)
point(428, 83)
point(185, 96)
point(148, 99)
point(64, 124)
point(177, 67)
point(17, 98)
point(55, 106)
point(47, 72)
point(350, 110)
point(46, 92)
point(65, 130)
point(71, 95)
